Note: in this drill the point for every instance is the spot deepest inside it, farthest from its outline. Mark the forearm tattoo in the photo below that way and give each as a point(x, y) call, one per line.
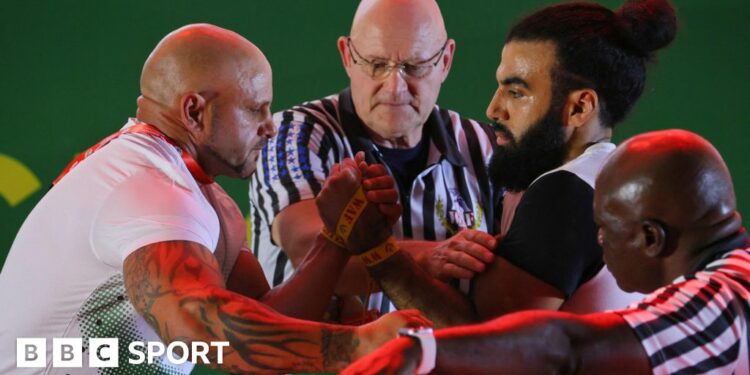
point(170, 281)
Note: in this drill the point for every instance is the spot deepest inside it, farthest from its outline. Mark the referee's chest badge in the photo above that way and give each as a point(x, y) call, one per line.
point(458, 215)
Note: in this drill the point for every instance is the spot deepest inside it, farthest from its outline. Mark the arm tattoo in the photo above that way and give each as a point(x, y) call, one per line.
point(179, 290)
point(337, 347)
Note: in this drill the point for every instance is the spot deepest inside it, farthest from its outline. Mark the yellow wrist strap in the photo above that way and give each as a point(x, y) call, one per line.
point(348, 217)
point(379, 253)
point(333, 237)
point(351, 213)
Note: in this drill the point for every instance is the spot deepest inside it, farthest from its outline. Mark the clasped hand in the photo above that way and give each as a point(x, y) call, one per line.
point(381, 211)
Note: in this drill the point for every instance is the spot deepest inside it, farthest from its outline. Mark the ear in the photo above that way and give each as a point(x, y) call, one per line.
point(346, 59)
point(582, 106)
point(654, 238)
point(450, 49)
point(192, 111)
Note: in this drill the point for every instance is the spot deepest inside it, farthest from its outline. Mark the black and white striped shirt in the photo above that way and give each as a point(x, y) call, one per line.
point(451, 193)
point(698, 324)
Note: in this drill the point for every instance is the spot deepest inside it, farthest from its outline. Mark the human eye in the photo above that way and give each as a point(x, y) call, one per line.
point(379, 65)
point(259, 109)
point(416, 70)
point(515, 94)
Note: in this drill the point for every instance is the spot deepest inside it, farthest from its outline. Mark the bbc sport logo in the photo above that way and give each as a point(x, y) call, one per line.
point(104, 352)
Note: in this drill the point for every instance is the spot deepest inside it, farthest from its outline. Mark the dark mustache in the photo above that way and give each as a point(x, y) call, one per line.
point(502, 129)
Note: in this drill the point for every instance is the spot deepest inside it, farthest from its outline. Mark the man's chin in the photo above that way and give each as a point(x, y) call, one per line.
point(247, 171)
point(397, 122)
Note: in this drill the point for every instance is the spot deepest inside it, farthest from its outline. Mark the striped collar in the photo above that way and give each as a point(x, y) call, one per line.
point(717, 249)
point(437, 126)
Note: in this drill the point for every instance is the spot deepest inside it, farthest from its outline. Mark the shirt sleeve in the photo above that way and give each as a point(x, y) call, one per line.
point(148, 208)
point(293, 165)
point(691, 327)
point(553, 234)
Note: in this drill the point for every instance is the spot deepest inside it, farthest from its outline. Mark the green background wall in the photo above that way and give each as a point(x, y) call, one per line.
point(70, 74)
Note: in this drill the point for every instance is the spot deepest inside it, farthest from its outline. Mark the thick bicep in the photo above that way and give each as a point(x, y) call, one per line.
point(158, 275)
point(504, 288)
point(295, 227)
point(247, 277)
point(610, 346)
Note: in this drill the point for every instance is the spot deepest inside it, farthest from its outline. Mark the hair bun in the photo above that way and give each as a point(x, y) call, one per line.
point(647, 25)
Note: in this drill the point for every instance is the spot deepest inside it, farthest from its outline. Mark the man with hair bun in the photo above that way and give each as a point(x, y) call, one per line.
point(669, 227)
point(568, 74)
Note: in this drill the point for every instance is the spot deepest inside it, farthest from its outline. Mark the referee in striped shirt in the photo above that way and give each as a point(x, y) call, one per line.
point(397, 56)
point(666, 209)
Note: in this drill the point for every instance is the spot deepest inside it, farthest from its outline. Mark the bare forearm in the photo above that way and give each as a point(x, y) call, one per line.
point(500, 347)
point(535, 342)
point(409, 286)
point(261, 340)
point(307, 293)
point(356, 281)
point(177, 287)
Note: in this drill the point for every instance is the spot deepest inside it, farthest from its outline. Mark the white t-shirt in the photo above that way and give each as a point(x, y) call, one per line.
point(63, 275)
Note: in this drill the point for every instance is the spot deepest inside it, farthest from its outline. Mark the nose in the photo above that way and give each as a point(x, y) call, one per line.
point(395, 83)
point(267, 128)
point(495, 110)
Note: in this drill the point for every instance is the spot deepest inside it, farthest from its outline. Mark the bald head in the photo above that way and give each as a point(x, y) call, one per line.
point(675, 177)
point(199, 58)
point(660, 201)
point(398, 19)
point(210, 90)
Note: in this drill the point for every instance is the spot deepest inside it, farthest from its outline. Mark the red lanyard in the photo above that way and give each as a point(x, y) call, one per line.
point(192, 166)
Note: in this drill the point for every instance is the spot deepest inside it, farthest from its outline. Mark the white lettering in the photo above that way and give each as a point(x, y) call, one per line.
point(219, 351)
point(171, 355)
point(200, 349)
point(139, 353)
point(68, 352)
point(153, 350)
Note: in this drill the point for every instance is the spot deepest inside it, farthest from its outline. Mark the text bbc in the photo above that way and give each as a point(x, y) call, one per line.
point(104, 352)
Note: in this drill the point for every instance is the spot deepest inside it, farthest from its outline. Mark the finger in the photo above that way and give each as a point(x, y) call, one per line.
point(475, 250)
point(416, 315)
point(464, 260)
point(375, 170)
point(388, 196)
point(335, 169)
point(351, 169)
point(362, 165)
point(390, 210)
point(349, 162)
point(483, 238)
point(381, 182)
point(452, 271)
point(359, 157)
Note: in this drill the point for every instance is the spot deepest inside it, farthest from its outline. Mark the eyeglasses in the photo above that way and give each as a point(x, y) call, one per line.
point(381, 69)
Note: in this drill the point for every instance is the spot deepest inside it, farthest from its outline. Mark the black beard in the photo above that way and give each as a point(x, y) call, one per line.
point(515, 165)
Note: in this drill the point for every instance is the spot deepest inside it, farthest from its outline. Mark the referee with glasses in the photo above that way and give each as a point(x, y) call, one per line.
point(397, 56)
